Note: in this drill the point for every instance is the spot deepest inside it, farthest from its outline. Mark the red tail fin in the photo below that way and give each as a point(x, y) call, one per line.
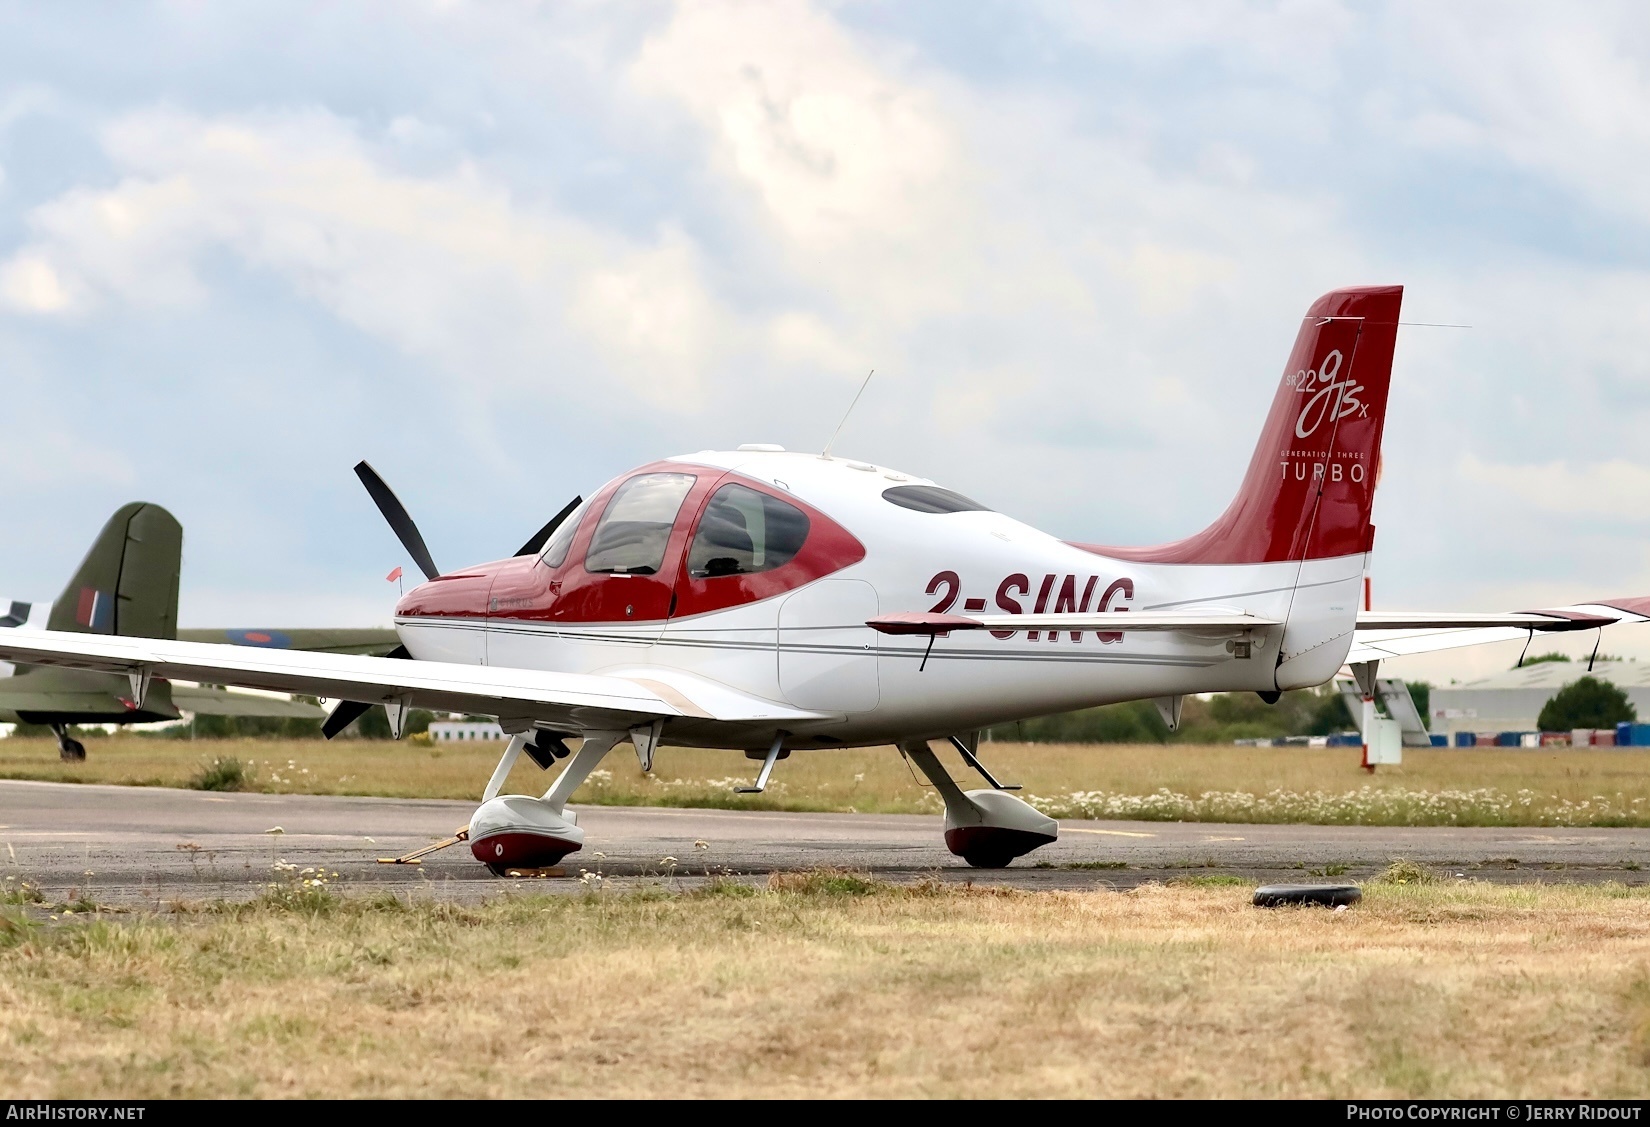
point(1311, 482)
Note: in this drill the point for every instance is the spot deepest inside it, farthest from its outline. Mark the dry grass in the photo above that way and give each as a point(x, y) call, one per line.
point(1466, 787)
point(833, 985)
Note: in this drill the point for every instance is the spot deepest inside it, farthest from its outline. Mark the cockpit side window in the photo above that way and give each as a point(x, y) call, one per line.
point(555, 552)
point(743, 531)
point(635, 530)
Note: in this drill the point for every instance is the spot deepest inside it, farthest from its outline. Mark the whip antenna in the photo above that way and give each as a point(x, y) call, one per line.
point(827, 454)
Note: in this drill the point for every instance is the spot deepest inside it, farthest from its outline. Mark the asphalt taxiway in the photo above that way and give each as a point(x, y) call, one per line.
point(136, 845)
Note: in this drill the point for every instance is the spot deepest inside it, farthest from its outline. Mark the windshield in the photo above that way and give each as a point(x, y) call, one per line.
point(635, 529)
point(555, 552)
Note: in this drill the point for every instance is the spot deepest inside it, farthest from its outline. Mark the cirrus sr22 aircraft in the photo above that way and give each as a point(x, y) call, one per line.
point(771, 601)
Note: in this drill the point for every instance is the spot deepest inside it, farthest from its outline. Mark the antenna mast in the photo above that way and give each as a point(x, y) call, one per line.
point(827, 452)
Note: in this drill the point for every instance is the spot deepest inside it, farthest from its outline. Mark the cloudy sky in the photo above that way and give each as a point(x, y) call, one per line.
point(507, 251)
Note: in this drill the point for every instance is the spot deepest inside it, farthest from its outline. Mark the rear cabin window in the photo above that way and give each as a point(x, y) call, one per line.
point(635, 529)
point(932, 499)
point(744, 531)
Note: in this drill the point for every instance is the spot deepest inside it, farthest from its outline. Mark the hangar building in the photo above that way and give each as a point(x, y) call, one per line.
point(1510, 701)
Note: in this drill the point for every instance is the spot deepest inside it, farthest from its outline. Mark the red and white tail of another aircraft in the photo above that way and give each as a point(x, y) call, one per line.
point(774, 601)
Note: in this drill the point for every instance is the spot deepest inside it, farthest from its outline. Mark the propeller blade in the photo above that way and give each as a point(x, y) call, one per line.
point(536, 545)
point(396, 514)
point(347, 712)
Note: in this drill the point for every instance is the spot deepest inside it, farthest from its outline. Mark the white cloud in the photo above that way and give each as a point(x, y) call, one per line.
point(30, 284)
point(447, 268)
point(1551, 90)
point(1616, 489)
point(39, 454)
point(1301, 40)
point(1077, 281)
point(836, 148)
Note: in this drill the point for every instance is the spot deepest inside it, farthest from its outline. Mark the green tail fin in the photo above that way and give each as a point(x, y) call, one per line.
point(128, 582)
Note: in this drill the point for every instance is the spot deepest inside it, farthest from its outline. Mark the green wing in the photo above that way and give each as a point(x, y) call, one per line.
point(368, 642)
point(209, 701)
point(44, 694)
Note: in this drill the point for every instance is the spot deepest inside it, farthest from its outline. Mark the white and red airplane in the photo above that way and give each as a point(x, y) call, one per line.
point(774, 601)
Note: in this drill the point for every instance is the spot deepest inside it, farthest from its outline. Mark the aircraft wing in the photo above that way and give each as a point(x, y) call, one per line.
point(1387, 634)
point(577, 701)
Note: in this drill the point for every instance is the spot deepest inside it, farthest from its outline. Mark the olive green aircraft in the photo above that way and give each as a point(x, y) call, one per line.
point(128, 585)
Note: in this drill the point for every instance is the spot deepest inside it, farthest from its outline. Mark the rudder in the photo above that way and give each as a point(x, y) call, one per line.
point(128, 582)
point(1310, 486)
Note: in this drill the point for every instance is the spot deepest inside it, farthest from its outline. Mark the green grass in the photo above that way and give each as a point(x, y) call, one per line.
point(225, 773)
point(831, 985)
point(1468, 787)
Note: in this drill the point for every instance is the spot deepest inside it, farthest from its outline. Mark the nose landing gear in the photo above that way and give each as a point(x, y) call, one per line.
point(516, 831)
point(986, 828)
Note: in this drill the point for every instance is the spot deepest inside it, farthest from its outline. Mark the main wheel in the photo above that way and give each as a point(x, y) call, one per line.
point(72, 750)
point(988, 859)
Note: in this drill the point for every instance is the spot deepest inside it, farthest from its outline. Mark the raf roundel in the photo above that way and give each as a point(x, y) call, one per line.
point(267, 639)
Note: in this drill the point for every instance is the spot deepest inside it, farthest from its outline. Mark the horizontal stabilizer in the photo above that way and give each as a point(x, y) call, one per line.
point(1388, 634)
point(1544, 620)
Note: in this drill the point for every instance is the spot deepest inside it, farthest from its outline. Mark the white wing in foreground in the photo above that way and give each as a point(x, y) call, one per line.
point(576, 701)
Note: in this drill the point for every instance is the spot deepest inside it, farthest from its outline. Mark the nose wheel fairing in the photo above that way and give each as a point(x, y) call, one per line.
point(986, 828)
point(996, 828)
point(516, 831)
